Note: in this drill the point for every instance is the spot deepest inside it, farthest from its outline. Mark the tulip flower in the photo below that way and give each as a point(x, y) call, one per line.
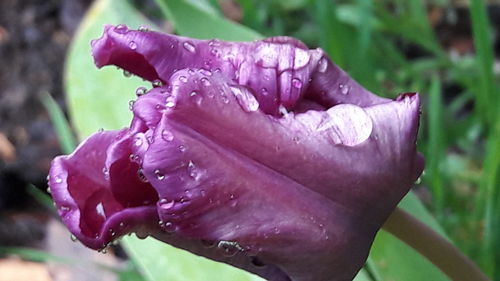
point(264, 155)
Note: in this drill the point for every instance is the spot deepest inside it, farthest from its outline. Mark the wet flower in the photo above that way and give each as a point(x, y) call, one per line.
point(264, 155)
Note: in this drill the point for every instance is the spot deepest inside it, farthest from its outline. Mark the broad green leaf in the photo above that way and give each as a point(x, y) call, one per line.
point(190, 20)
point(99, 99)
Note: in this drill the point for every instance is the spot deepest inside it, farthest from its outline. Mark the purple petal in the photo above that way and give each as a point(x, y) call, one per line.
point(279, 71)
point(335, 152)
point(86, 199)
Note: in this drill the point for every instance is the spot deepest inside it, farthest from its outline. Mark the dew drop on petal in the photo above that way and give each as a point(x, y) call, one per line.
point(322, 65)
point(131, 104)
point(143, 28)
point(58, 179)
point(228, 248)
point(157, 83)
point(140, 91)
point(169, 227)
point(132, 45)
point(182, 148)
point(73, 238)
point(344, 89)
point(189, 47)
point(121, 28)
point(296, 83)
point(141, 176)
point(183, 79)
point(105, 171)
point(167, 135)
point(205, 82)
point(159, 175)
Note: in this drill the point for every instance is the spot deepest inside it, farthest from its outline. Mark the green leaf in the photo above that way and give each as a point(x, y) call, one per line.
point(99, 98)
point(190, 20)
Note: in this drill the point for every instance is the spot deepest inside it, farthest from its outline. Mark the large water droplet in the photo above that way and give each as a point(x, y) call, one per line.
point(167, 135)
point(140, 91)
point(132, 45)
point(246, 100)
point(322, 65)
point(159, 175)
point(189, 47)
point(121, 28)
point(73, 238)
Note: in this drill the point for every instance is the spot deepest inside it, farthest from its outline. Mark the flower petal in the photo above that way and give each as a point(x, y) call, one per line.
point(86, 199)
point(352, 155)
point(279, 71)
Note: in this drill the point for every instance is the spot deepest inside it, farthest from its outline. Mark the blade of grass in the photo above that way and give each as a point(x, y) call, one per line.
point(41, 197)
point(61, 125)
point(487, 99)
point(436, 143)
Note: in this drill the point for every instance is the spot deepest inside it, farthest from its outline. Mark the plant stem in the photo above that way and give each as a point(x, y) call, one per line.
point(433, 246)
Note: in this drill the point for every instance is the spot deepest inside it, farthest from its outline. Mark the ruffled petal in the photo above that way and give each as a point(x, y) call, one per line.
point(279, 71)
point(86, 200)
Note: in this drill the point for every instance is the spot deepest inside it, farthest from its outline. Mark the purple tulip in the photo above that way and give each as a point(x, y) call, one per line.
point(264, 155)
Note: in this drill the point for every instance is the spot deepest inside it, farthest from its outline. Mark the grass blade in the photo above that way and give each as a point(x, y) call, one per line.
point(61, 125)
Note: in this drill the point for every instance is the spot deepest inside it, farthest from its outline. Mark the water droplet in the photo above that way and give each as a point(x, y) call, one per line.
point(131, 105)
point(157, 83)
point(122, 224)
point(121, 28)
point(183, 79)
point(182, 148)
point(99, 208)
point(112, 232)
point(296, 83)
point(141, 176)
point(169, 227)
point(48, 190)
point(58, 179)
point(100, 130)
point(140, 91)
point(229, 248)
point(159, 175)
point(105, 171)
point(169, 102)
point(193, 93)
point(419, 180)
point(132, 45)
point(143, 28)
point(205, 82)
point(214, 43)
point(264, 91)
point(138, 141)
point(322, 65)
point(126, 73)
point(245, 98)
point(73, 238)
point(103, 250)
point(189, 47)
point(166, 204)
point(167, 135)
point(282, 109)
point(344, 89)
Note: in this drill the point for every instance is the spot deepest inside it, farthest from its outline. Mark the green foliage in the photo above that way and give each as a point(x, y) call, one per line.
point(367, 38)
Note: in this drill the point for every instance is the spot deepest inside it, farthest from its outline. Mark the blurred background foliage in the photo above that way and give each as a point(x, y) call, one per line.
point(446, 50)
